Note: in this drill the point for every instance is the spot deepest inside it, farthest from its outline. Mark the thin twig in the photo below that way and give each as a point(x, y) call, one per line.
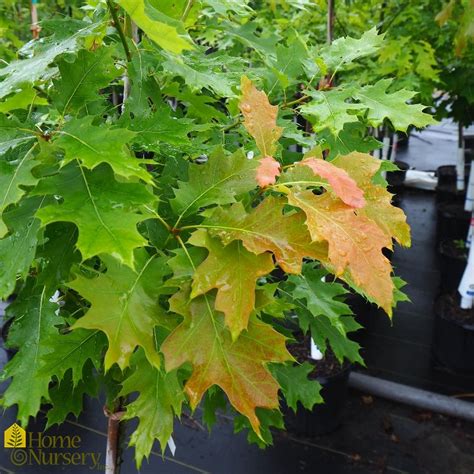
point(115, 17)
point(187, 9)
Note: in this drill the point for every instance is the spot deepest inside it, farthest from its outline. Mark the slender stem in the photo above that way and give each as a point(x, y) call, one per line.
point(303, 98)
point(187, 9)
point(118, 26)
point(180, 240)
point(231, 126)
point(168, 227)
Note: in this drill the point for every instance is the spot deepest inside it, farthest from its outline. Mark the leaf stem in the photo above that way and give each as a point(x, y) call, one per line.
point(168, 227)
point(116, 20)
point(303, 98)
point(187, 9)
point(185, 249)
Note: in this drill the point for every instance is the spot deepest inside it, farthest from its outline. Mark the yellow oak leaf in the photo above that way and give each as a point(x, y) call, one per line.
point(259, 117)
point(233, 270)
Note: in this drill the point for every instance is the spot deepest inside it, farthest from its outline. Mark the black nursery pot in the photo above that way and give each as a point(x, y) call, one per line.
point(326, 417)
point(453, 263)
point(453, 341)
point(396, 179)
point(446, 189)
point(362, 309)
point(452, 221)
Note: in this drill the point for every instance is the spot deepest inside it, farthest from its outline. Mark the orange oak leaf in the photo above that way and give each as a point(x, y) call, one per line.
point(341, 183)
point(392, 220)
point(237, 367)
point(267, 171)
point(355, 243)
point(268, 229)
point(233, 270)
point(259, 117)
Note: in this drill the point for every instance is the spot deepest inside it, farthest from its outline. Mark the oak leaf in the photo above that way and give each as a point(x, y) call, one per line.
point(355, 243)
point(259, 117)
point(392, 220)
point(124, 307)
point(267, 171)
point(238, 367)
point(268, 229)
point(341, 183)
point(233, 270)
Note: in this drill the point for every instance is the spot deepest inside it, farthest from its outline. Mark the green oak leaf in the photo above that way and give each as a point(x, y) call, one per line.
point(22, 99)
point(95, 144)
point(268, 419)
point(159, 128)
point(393, 106)
point(321, 297)
point(159, 401)
point(17, 250)
point(124, 305)
point(218, 72)
point(296, 386)
point(67, 398)
point(166, 32)
point(353, 137)
point(218, 181)
point(57, 253)
point(104, 210)
point(71, 351)
point(289, 63)
point(330, 109)
point(16, 162)
point(82, 79)
point(36, 68)
point(343, 51)
point(35, 320)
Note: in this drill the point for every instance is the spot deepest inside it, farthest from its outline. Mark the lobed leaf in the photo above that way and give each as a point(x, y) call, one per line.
point(238, 367)
point(124, 307)
point(233, 271)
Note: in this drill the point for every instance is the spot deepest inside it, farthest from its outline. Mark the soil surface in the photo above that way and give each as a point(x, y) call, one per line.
point(449, 308)
point(326, 367)
point(452, 249)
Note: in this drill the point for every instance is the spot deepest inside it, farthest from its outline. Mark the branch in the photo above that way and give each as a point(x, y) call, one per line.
point(116, 20)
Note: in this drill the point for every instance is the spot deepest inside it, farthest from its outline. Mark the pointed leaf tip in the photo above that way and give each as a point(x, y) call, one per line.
point(259, 117)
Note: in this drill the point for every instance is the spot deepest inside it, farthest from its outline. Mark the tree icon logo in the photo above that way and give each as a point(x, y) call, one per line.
point(14, 437)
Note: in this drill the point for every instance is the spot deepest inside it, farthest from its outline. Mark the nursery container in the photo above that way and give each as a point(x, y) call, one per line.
point(452, 221)
point(362, 309)
point(453, 341)
point(396, 179)
point(446, 189)
point(453, 259)
point(333, 377)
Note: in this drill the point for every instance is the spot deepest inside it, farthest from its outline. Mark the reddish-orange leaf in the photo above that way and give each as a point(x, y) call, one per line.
point(259, 117)
point(392, 220)
point(237, 367)
point(341, 183)
point(267, 171)
point(233, 270)
point(355, 243)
